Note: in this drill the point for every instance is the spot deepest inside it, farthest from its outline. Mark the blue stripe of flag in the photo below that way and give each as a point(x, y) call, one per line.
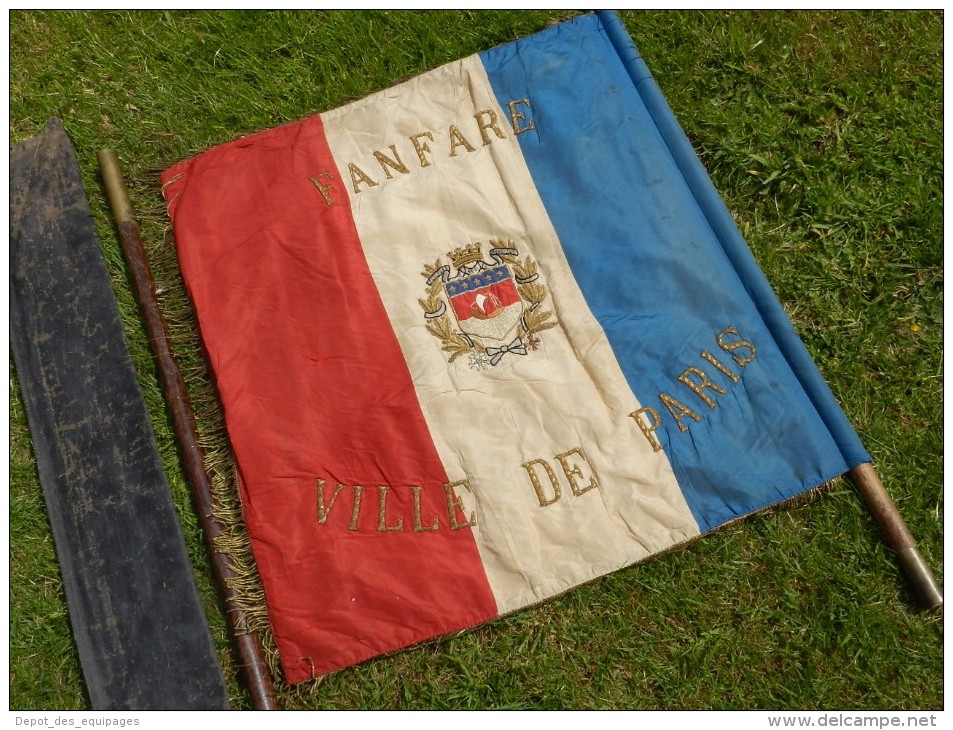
point(657, 278)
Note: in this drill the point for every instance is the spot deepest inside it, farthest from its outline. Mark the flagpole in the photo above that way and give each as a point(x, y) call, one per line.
point(896, 534)
point(254, 667)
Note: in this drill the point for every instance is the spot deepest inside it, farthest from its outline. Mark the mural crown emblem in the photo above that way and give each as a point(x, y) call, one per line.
point(464, 255)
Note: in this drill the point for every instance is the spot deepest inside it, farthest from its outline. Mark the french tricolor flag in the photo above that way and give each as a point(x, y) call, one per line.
point(482, 337)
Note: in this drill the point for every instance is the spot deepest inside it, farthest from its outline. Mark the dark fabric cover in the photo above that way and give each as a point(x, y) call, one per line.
point(137, 618)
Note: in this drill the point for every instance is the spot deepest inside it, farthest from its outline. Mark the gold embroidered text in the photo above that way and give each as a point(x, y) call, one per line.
point(420, 150)
point(700, 385)
point(397, 509)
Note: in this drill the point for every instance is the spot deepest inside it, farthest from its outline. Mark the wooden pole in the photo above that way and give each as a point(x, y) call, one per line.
point(896, 534)
point(254, 667)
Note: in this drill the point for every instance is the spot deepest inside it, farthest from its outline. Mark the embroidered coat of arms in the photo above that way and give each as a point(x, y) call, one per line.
point(486, 309)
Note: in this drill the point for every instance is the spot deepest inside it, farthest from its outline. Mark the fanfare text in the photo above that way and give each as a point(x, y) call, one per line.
point(421, 149)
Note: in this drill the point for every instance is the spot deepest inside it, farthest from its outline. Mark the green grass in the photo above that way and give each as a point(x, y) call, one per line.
point(822, 130)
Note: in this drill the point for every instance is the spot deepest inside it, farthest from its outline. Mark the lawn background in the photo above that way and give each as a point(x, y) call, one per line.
point(822, 130)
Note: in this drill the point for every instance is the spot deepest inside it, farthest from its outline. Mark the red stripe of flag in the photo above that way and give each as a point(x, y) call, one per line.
point(315, 384)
